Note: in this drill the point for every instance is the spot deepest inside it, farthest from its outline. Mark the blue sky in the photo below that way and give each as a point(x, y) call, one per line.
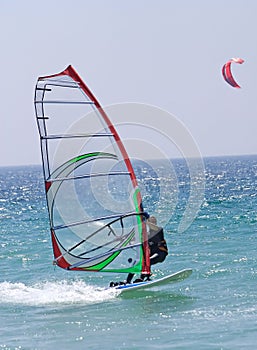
point(163, 53)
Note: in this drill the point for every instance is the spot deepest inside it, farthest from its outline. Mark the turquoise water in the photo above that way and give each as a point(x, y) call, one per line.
point(43, 307)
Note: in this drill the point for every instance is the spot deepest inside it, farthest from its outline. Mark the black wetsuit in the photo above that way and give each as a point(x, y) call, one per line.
point(157, 245)
point(158, 250)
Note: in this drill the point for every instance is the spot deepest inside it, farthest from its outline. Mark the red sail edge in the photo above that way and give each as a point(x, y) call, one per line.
point(59, 258)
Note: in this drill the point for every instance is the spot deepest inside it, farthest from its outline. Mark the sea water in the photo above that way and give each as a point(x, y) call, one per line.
point(45, 307)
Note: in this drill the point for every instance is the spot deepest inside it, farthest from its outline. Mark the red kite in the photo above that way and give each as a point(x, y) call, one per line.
point(226, 71)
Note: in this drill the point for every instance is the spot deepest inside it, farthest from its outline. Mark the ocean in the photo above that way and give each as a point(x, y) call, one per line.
point(45, 307)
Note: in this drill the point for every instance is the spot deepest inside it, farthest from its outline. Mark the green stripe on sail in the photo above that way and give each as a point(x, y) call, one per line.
point(93, 154)
point(135, 268)
point(139, 221)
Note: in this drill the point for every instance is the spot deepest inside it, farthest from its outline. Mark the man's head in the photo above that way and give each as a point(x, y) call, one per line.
point(152, 223)
point(152, 220)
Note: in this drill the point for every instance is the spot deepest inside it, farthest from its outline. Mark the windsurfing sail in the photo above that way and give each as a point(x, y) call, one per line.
point(94, 203)
point(227, 74)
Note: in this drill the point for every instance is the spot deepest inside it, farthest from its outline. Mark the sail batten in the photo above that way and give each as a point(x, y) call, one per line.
point(94, 204)
point(66, 102)
point(103, 218)
point(58, 82)
point(50, 137)
point(88, 176)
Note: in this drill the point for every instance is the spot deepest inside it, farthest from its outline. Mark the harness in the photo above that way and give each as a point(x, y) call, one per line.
point(162, 245)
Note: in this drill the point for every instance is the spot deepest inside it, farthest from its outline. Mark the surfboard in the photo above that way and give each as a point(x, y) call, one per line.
point(173, 278)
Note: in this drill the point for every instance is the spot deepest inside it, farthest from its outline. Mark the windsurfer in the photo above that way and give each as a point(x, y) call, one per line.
point(157, 245)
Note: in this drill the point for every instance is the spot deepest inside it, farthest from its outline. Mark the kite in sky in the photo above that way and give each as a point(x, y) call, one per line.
point(226, 71)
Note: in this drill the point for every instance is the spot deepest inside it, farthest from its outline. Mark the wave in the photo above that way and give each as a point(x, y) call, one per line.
point(50, 293)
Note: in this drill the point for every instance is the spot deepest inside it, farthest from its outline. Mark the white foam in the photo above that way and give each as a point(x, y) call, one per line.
point(61, 292)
